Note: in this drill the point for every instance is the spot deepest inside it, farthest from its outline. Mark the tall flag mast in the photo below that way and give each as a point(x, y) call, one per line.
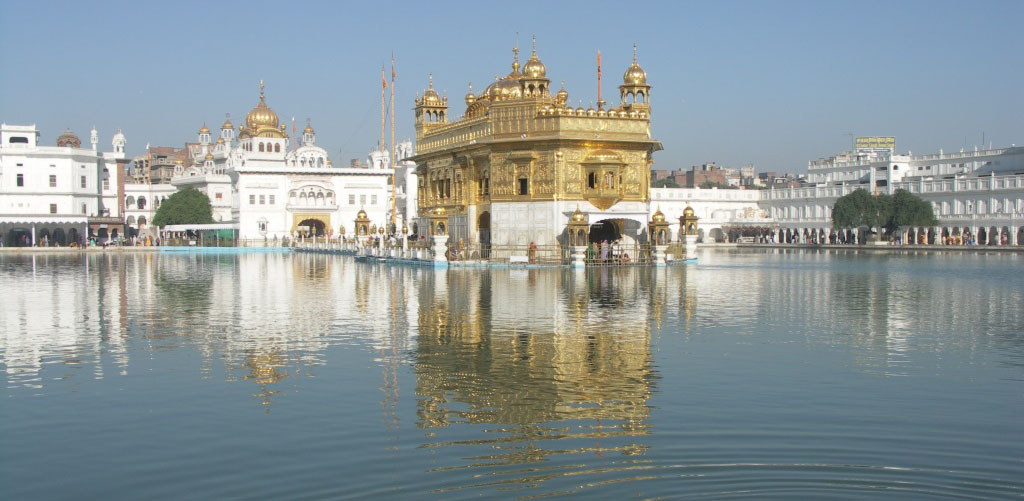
point(600, 102)
point(393, 158)
point(383, 107)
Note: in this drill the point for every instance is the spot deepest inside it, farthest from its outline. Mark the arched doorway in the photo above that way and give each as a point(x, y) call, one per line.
point(19, 237)
point(604, 231)
point(43, 238)
point(312, 227)
point(982, 236)
point(73, 236)
point(59, 238)
point(483, 227)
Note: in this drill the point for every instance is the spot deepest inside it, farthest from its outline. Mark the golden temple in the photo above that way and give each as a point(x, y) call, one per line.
point(514, 167)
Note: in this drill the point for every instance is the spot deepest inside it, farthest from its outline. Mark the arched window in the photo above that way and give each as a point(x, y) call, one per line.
point(130, 220)
point(129, 202)
point(142, 221)
point(261, 146)
point(142, 203)
point(277, 148)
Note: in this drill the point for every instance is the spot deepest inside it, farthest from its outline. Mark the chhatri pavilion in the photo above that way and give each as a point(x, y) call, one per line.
point(521, 161)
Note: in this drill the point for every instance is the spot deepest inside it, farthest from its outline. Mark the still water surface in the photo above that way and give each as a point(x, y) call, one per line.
point(774, 374)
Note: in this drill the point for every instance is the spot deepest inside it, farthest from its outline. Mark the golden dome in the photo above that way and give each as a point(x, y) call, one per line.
point(578, 217)
point(361, 214)
point(635, 75)
point(563, 95)
point(209, 156)
point(658, 217)
point(430, 97)
point(204, 129)
point(308, 129)
point(179, 162)
point(470, 98)
point(261, 117)
point(220, 140)
point(688, 211)
point(534, 68)
point(69, 138)
point(227, 124)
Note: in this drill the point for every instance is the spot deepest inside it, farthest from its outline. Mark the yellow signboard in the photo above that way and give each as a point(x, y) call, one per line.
point(876, 143)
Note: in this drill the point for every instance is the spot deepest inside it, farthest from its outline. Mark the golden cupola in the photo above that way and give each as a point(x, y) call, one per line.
point(431, 108)
point(470, 97)
point(534, 80)
point(430, 96)
point(635, 93)
point(262, 121)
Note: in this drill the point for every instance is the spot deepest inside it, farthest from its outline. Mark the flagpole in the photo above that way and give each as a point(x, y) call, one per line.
point(383, 107)
point(393, 158)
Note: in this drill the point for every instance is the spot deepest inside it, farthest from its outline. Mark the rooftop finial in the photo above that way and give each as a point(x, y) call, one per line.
point(634, 53)
point(261, 88)
point(534, 45)
point(515, 54)
point(431, 81)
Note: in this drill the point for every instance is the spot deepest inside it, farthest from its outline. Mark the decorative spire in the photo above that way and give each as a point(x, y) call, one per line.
point(431, 84)
point(534, 45)
point(515, 54)
point(261, 89)
point(634, 53)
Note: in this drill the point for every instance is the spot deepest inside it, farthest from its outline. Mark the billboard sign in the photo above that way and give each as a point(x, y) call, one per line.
point(875, 144)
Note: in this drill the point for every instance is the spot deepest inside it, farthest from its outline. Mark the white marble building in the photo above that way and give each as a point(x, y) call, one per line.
point(268, 189)
point(56, 195)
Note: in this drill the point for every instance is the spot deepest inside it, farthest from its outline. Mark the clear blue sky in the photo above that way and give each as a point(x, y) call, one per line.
point(774, 84)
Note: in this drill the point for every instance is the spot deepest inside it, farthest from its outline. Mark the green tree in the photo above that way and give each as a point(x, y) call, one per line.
point(665, 183)
point(855, 210)
point(186, 206)
point(906, 210)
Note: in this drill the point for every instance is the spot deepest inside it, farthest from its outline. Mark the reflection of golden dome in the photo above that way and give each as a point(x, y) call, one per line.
point(179, 162)
point(220, 140)
point(209, 157)
point(688, 211)
point(69, 138)
point(578, 216)
point(261, 117)
point(658, 217)
point(437, 211)
point(405, 228)
point(635, 75)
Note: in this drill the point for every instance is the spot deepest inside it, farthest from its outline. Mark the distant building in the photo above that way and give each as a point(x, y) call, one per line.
point(56, 195)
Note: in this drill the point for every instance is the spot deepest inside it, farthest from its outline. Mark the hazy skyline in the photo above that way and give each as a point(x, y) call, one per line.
point(773, 84)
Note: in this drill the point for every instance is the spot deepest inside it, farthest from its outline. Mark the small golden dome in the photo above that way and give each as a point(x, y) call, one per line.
point(209, 157)
point(227, 125)
point(69, 138)
point(470, 97)
point(179, 162)
point(405, 228)
point(635, 75)
point(534, 68)
point(688, 211)
point(562, 95)
point(220, 140)
point(308, 129)
point(430, 97)
point(361, 214)
point(578, 217)
point(204, 129)
point(658, 217)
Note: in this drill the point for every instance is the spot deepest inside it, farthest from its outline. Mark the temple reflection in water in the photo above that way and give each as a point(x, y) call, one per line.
point(540, 355)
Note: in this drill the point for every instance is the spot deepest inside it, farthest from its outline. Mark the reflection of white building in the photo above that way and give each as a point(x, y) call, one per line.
point(271, 188)
point(59, 194)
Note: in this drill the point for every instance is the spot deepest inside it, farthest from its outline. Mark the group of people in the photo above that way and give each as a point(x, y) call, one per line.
point(607, 252)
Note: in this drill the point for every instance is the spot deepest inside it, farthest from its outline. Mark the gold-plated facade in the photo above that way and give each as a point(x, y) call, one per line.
point(518, 143)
